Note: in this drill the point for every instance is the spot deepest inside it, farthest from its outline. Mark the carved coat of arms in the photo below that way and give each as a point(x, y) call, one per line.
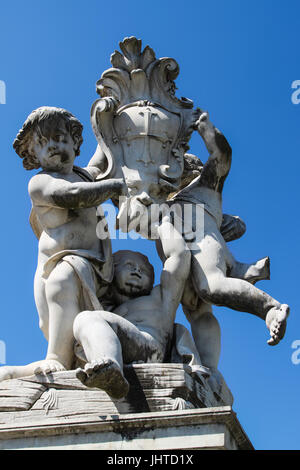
point(142, 128)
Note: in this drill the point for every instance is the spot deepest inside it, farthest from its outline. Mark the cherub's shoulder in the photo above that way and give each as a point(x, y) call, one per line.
point(39, 182)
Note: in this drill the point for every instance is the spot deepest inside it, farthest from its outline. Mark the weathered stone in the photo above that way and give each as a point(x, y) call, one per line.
point(158, 413)
point(153, 387)
point(201, 429)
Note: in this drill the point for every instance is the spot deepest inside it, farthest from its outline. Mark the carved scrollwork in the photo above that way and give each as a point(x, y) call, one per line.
point(50, 399)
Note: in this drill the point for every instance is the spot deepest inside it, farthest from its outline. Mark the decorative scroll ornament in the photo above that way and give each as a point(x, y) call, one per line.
point(50, 399)
point(142, 128)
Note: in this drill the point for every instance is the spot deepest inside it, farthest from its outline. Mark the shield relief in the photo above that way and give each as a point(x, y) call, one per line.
point(141, 127)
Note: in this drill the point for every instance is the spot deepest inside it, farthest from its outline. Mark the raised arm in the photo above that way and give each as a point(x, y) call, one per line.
point(218, 164)
point(176, 266)
point(46, 190)
point(97, 164)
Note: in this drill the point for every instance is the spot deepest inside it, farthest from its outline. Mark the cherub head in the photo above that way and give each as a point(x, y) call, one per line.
point(134, 275)
point(50, 138)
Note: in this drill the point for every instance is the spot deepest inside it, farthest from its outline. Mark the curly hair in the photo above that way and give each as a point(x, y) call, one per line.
point(36, 121)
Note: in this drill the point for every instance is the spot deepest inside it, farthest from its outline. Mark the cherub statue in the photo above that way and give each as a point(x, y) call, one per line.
point(74, 266)
point(216, 276)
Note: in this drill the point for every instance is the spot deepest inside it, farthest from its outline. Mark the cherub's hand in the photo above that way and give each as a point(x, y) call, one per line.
point(121, 187)
point(203, 123)
point(154, 225)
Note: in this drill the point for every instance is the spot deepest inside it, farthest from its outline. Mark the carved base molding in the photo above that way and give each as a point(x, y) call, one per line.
point(168, 407)
point(198, 429)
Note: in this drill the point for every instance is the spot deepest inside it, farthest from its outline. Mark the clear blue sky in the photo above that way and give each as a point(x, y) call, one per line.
point(238, 59)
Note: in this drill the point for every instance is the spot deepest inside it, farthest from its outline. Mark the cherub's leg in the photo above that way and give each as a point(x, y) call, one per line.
point(206, 333)
point(63, 298)
point(57, 299)
point(209, 277)
point(41, 301)
point(251, 272)
point(107, 340)
point(204, 325)
point(57, 302)
point(207, 336)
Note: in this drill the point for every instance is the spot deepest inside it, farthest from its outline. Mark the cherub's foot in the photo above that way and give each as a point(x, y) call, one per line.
point(48, 366)
point(262, 269)
point(106, 375)
point(6, 373)
point(259, 271)
point(276, 323)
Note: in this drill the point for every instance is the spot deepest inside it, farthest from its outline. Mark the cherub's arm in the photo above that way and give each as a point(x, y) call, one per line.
point(97, 164)
point(46, 190)
point(176, 266)
point(218, 164)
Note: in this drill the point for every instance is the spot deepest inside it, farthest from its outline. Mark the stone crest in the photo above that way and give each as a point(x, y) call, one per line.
point(141, 126)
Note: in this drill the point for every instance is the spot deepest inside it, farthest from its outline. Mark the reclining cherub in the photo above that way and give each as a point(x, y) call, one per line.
point(140, 326)
point(74, 266)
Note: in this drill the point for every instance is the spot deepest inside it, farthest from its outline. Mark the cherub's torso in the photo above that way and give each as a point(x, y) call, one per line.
point(197, 194)
point(65, 229)
point(149, 314)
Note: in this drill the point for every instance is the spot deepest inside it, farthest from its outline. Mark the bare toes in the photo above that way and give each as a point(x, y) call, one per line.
point(81, 375)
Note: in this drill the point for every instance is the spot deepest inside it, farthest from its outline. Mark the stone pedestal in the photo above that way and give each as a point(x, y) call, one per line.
point(168, 407)
point(200, 429)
